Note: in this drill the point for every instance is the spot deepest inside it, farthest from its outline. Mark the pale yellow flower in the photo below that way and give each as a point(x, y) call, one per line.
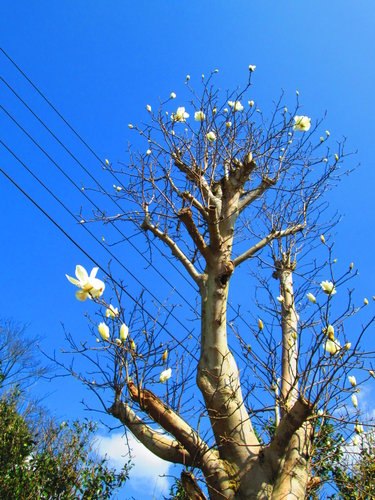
point(260, 324)
point(352, 380)
point(124, 332)
point(355, 401)
point(332, 346)
point(90, 286)
point(199, 116)
point(111, 312)
point(311, 298)
point(165, 375)
point(180, 115)
point(302, 123)
point(211, 136)
point(148, 107)
point(252, 67)
point(328, 287)
point(173, 95)
point(103, 331)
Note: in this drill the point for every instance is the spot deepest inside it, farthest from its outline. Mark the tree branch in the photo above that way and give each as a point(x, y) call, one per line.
point(289, 424)
point(172, 423)
point(263, 242)
point(256, 193)
point(162, 446)
point(176, 250)
point(186, 216)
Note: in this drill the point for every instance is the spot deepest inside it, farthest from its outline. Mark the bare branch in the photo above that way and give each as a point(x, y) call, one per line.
point(162, 446)
point(267, 239)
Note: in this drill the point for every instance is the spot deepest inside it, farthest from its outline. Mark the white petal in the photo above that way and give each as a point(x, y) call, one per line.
point(93, 272)
point(73, 280)
point(81, 274)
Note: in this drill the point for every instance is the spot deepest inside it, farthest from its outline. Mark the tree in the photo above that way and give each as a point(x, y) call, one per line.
point(221, 189)
point(38, 457)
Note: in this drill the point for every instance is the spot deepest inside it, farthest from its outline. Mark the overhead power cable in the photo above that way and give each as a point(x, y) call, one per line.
point(110, 171)
point(45, 213)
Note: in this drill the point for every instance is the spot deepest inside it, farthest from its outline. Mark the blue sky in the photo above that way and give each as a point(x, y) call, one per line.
point(101, 62)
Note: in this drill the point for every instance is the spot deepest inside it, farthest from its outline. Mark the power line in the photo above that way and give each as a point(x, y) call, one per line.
point(110, 171)
point(96, 206)
point(84, 251)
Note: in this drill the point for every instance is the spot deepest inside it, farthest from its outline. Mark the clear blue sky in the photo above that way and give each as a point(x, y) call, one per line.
point(101, 62)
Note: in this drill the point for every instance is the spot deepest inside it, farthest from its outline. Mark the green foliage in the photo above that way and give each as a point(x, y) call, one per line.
point(177, 491)
point(54, 462)
point(352, 475)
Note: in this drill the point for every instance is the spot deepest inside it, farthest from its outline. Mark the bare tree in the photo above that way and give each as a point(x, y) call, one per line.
point(220, 189)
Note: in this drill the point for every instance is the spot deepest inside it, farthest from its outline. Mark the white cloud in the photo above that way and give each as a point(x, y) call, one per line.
point(147, 467)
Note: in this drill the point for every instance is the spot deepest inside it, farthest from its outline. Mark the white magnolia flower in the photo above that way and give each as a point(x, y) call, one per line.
point(180, 115)
point(311, 298)
point(355, 441)
point(302, 123)
point(165, 375)
point(235, 105)
point(252, 67)
point(352, 380)
point(199, 116)
point(148, 107)
point(104, 331)
point(124, 332)
point(332, 346)
point(148, 152)
point(328, 287)
point(330, 332)
point(228, 124)
point(187, 77)
point(355, 401)
point(251, 104)
point(225, 110)
point(173, 95)
point(130, 125)
point(111, 312)
point(280, 298)
point(211, 136)
point(347, 346)
point(118, 342)
point(358, 428)
point(90, 286)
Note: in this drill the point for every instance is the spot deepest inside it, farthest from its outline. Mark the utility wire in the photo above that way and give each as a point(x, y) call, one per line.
point(102, 163)
point(81, 248)
point(97, 208)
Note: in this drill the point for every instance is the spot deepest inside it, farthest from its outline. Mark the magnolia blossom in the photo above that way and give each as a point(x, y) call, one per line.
point(330, 332)
point(328, 287)
point(355, 441)
point(118, 342)
point(280, 298)
point(211, 136)
point(252, 67)
point(173, 95)
point(365, 300)
point(358, 428)
point(130, 125)
point(228, 124)
point(347, 346)
point(311, 298)
point(260, 324)
point(165, 375)
point(111, 312)
point(199, 116)
point(148, 107)
point(124, 332)
point(90, 286)
point(352, 380)
point(180, 115)
point(302, 123)
point(355, 401)
point(103, 331)
point(165, 356)
point(106, 161)
point(332, 346)
point(132, 345)
point(236, 105)
point(251, 104)
point(322, 239)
